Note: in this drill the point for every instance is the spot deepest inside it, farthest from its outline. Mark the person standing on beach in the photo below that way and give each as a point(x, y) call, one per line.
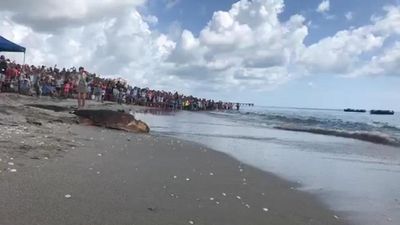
point(103, 91)
point(82, 87)
point(38, 82)
point(3, 68)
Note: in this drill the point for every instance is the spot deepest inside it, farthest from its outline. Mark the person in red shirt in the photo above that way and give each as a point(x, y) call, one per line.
point(67, 88)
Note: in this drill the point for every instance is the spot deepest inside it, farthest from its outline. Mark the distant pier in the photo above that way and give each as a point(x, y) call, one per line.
point(238, 105)
point(246, 104)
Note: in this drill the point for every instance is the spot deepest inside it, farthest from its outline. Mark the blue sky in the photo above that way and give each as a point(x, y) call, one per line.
point(195, 14)
point(316, 90)
point(301, 53)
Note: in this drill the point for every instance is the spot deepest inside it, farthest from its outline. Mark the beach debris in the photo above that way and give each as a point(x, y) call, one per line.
point(247, 206)
point(211, 174)
point(175, 177)
point(11, 163)
point(224, 194)
point(187, 179)
point(265, 209)
point(151, 209)
point(33, 122)
point(100, 155)
point(212, 199)
point(13, 170)
point(98, 172)
point(336, 217)
point(68, 196)
point(238, 197)
point(191, 222)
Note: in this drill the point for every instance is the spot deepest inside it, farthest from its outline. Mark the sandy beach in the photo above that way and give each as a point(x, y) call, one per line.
point(55, 171)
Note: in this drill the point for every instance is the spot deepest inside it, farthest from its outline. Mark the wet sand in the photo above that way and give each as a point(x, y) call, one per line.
point(98, 176)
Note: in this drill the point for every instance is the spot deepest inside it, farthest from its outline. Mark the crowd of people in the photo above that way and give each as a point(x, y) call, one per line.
point(78, 83)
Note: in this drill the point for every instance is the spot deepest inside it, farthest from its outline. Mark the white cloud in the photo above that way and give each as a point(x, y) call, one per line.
point(386, 63)
point(349, 15)
point(324, 6)
point(119, 45)
point(345, 52)
point(169, 4)
point(151, 19)
point(52, 15)
point(246, 47)
point(339, 54)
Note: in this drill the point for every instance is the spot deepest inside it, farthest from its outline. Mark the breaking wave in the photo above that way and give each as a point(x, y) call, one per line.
point(324, 122)
point(363, 136)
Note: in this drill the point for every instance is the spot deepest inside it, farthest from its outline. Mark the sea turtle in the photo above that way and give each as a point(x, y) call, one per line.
point(113, 120)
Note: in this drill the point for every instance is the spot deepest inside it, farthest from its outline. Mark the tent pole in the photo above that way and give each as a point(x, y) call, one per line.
point(24, 58)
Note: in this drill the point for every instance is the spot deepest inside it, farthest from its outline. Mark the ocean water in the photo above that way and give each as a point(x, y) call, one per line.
point(351, 161)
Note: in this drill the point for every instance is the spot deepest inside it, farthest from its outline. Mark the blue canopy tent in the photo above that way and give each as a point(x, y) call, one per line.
point(8, 46)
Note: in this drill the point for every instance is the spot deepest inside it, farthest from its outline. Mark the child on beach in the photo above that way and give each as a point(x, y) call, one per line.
point(67, 87)
point(97, 92)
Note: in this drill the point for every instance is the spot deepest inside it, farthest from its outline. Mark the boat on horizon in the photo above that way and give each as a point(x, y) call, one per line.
point(382, 112)
point(356, 110)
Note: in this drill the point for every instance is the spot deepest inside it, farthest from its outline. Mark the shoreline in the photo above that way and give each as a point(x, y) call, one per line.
point(120, 178)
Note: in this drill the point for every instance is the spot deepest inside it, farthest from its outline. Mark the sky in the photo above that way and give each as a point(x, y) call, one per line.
point(314, 53)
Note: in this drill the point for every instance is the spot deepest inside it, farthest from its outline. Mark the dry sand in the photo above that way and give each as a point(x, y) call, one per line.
point(72, 174)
